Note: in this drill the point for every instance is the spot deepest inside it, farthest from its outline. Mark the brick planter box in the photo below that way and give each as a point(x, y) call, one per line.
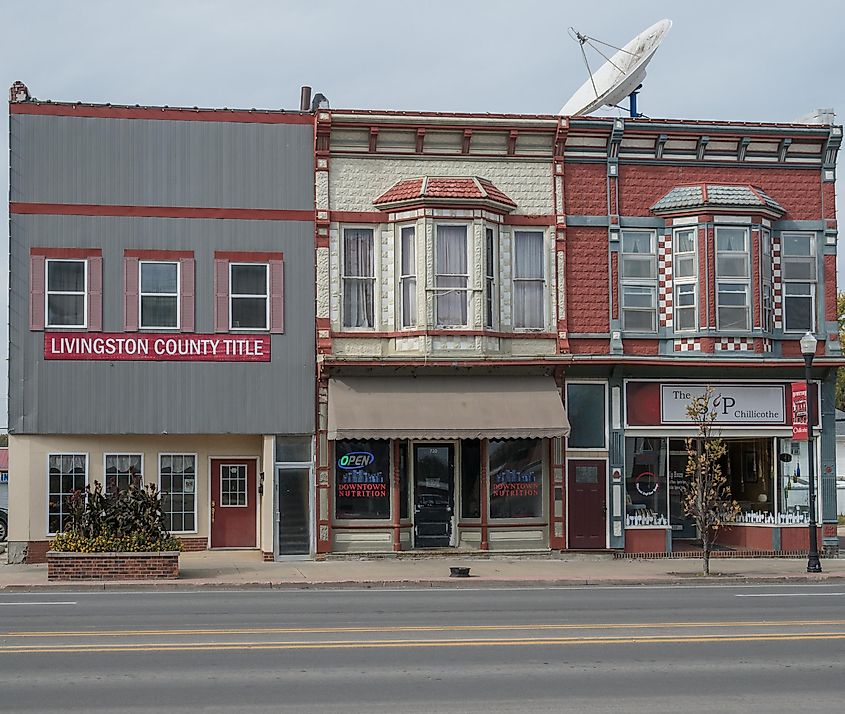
point(112, 566)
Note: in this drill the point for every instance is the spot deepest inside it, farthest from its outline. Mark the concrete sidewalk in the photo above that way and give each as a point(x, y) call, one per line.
point(246, 569)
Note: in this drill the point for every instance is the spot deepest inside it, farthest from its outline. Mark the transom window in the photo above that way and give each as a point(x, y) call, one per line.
point(639, 281)
point(408, 275)
point(177, 480)
point(123, 471)
point(528, 280)
point(66, 293)
point(67, 473)
point(451, 277)
point(358, 278)
point(684, 275)
point(733, 279)
point(249, 296)
point(798, 271)
point(159, 295)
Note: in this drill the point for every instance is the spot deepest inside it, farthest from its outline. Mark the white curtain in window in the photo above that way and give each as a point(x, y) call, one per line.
point(408, 278)
point(358, 271)
point(451, 272)
point(528, 279)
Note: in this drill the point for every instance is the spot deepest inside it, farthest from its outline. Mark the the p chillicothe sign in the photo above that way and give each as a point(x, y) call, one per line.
point(734, 403)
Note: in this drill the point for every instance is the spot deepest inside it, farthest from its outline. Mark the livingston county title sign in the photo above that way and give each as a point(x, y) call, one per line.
point(156, 347)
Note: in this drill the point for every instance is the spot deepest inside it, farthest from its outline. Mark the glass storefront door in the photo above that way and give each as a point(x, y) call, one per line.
point(683, 527)
point(293, 521)
point(434, 476)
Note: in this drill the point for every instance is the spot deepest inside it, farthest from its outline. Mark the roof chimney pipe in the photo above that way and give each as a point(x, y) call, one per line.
point(305, 99)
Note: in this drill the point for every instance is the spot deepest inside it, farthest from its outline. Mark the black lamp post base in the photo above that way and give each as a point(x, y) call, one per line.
point(814, 565)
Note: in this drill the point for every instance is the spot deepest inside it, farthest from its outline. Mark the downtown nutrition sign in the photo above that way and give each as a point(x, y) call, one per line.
point(157, 347)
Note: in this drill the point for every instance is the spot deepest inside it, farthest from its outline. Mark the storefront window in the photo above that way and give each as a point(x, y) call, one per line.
point(516, 478)
point(470, 478)
point(748, 468)
point(645, 482)
point(362, 473)
point(683, 526)
point(794, 482)
point(585, 407)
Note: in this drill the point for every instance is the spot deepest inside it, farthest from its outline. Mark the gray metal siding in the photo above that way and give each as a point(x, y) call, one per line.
point(53, 397)
point(161, 163)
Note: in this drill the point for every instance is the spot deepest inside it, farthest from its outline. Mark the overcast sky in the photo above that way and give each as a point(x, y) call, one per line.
point(736, 60)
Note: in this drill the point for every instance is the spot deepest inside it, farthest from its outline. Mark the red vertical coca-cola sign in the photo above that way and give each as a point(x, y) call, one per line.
point(800, 410)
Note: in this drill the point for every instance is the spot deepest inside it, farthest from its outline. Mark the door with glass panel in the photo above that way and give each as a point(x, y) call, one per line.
point(434, 466)
point(587, 504)
point(233, 497)
point(293, 513)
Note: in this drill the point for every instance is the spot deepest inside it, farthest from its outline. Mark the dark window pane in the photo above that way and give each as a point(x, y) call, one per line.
point(249, 280)
point(362, 479)
point(404, 480)
point(798, 313)
point(249, 312)
point(470, 478)
point(516, 478)
point(66, 275)
point(158, 311)
point(585, 409)
point(68, 310)
point(159, 278)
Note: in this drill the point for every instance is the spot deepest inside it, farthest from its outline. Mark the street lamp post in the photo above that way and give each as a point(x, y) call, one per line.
point(808, 349)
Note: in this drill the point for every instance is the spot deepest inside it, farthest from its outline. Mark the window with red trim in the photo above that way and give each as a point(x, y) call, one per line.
point(248, 291)
point(66, 289)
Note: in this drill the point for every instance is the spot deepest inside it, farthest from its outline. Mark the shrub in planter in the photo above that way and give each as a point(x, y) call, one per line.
point(124, 521)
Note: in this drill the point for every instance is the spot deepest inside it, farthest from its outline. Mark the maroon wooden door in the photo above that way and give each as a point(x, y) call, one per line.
point(587, 504)
point(232, 503)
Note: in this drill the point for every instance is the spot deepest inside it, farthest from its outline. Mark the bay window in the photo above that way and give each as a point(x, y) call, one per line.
point(358, 278)
point(489, 277)
point(408, 276)
point(733, 303)
point(528, 280)
point(798, 271)
point(684, 275)
point(639, 281)
point(451, 277)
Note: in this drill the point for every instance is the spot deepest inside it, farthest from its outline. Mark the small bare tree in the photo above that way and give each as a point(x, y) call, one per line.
point(707, 493)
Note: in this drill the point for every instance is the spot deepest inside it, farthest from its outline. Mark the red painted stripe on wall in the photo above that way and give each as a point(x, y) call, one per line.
point(247, 256)
point(84, 209)
point(71, 253)
point(94, 111)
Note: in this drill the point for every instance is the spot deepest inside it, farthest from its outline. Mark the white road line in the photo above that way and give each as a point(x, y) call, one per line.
point(786, 594)
point(53, 602)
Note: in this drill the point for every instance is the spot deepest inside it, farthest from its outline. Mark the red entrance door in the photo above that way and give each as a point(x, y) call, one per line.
point(587, 504)
point(232, 503)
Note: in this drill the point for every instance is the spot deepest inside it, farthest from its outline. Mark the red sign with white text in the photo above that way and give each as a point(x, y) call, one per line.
point(800, 431)
point(156, 347)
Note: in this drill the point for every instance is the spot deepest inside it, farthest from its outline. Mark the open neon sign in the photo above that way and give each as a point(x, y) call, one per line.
point(356, 460)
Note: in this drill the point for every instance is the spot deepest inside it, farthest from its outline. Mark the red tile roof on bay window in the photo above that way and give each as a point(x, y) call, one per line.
point(449, 188)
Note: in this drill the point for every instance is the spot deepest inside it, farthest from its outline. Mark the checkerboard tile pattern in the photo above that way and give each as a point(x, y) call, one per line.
point(735, 344)
point(687, 344)
point(777, 287)
point(664, 278)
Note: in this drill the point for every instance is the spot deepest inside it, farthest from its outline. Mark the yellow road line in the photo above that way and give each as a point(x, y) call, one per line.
point(404, 644)
point(421, 628)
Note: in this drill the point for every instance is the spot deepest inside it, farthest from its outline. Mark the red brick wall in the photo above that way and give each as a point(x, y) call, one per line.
point(796, 538)
point(194, 544)
point(36, 551)
point(587, 280)
point(589, 347)
point(586, 189)
point(641, 347)
point(799, 191)
point(112, 566)
point(754, 537)
point(829, 288)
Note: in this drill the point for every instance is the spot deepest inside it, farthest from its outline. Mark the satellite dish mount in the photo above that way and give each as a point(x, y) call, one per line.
point(620, 76)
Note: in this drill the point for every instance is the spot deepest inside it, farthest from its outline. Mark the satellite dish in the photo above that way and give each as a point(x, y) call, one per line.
point(620, 76)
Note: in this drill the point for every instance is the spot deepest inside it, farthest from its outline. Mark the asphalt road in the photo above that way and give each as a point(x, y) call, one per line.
point(638, 649)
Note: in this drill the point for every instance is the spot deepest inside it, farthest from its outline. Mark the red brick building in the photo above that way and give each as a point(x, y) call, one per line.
point(513, 312)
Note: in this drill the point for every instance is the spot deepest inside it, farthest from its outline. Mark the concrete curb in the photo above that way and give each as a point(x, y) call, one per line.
point(446, 583)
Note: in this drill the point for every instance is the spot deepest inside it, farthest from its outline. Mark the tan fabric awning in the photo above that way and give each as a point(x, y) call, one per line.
point(505, 407)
